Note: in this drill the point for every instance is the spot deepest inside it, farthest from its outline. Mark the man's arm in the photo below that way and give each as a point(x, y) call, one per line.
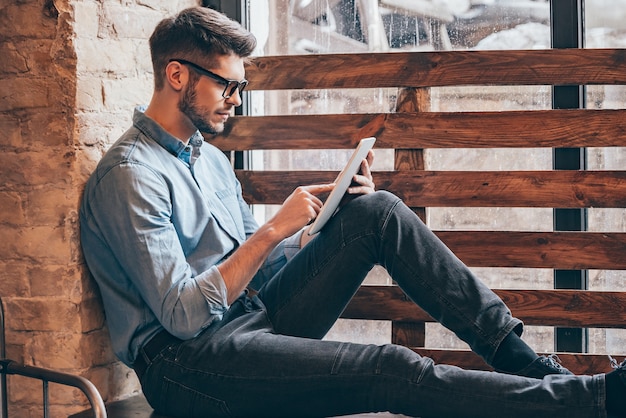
point(300, 208)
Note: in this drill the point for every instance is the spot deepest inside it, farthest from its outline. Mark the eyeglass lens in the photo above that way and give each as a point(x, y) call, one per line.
point(232, 86)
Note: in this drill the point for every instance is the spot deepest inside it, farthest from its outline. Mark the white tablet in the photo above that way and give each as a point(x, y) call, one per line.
point(341, 184)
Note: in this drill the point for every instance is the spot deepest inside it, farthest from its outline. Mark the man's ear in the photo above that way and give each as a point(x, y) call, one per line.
point(176, 75)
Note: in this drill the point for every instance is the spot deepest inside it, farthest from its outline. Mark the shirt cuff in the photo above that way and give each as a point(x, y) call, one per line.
point(213, 288)
point(292, 244)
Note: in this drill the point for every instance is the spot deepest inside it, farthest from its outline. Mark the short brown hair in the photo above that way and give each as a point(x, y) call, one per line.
point(193, 32)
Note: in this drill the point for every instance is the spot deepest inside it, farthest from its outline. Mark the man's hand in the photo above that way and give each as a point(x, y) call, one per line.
point(362, 182)
point(299, 209)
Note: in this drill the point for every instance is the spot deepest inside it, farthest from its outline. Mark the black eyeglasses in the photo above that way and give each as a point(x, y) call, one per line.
point(230, 86)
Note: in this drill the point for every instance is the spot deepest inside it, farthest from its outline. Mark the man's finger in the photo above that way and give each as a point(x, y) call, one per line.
point(316, 189)
point(370, 157)
point(365, 169)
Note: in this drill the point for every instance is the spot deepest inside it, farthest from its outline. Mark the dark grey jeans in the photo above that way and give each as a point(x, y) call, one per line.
point(266, 359)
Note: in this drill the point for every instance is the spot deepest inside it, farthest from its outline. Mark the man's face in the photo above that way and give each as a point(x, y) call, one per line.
point(202, 100)
point(199, 115)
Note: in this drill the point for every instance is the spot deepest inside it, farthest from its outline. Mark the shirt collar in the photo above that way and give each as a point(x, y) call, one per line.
point(187, 153)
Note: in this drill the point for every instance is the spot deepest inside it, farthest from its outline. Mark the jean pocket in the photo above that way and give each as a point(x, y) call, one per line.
point(180, 400)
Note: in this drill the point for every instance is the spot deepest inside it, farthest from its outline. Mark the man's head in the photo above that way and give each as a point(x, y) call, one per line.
point(197, 34)
point(198, 58)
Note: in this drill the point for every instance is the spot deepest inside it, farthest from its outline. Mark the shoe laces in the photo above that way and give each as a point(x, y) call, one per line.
point(554, 360)
point(615, 364)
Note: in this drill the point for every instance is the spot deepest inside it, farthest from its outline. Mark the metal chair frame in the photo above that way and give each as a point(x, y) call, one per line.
point(8, 366)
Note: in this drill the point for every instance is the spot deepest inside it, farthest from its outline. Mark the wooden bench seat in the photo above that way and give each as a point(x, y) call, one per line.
point(413, 128)
point(137, 407)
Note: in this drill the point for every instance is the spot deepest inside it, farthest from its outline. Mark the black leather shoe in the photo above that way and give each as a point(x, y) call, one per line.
point(543, 366)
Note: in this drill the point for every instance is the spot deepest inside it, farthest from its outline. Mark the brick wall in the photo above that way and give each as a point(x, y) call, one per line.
point(70, 74)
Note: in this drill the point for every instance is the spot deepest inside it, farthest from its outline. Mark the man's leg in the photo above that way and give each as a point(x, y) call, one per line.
point(307, 296)
point(240, 367)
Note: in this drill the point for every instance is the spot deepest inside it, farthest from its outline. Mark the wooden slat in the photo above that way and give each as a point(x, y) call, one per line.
point(559, 250)
point(580, 364)
point(441, 68)
point(546, 189)
point(408, 333)
point(513, 129)
point(566, 308)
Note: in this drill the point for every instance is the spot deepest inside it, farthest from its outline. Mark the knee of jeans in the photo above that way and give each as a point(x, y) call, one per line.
point(376, 204)
point(403, 362)
point(364, 212)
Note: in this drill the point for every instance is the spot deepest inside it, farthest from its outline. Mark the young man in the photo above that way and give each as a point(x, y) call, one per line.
point(173, 247)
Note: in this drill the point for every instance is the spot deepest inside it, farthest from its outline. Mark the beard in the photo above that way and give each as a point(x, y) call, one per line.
point(197, 115)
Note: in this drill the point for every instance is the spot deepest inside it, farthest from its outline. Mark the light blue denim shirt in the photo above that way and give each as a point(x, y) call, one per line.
point(157, 217)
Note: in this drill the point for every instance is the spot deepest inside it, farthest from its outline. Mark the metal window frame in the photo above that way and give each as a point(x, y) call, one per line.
point(567, 31)
point(239, 11)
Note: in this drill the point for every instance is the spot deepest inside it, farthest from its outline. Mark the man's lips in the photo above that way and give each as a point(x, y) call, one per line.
point(224, 115)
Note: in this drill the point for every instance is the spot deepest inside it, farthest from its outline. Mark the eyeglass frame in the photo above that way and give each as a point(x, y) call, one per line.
point(236, 85)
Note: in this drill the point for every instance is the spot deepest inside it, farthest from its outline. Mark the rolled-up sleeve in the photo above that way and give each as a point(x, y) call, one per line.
point(214, 289)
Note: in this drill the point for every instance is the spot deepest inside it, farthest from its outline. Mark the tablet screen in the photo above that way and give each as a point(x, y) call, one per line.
point(341, 185)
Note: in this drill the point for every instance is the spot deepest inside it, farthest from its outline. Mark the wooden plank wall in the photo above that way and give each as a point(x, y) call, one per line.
point(413, 127)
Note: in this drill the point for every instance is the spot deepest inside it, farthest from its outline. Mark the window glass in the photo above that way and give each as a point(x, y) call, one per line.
point(605, 27)
point(347, 26)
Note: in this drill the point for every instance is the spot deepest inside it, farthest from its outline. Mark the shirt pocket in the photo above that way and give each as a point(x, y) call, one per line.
point(230, 213)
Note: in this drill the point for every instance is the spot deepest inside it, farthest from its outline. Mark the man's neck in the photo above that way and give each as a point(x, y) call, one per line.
point(170, 119)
